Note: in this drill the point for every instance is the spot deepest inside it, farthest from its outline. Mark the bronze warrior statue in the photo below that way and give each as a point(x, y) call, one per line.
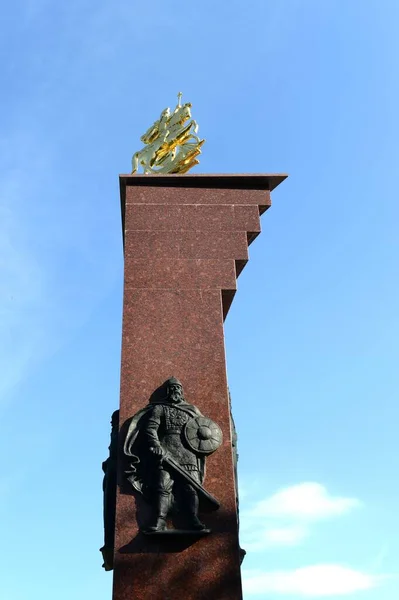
point(166, 445)
point(109, 491)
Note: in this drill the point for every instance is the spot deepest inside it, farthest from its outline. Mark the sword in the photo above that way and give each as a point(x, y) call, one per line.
point(211, 501)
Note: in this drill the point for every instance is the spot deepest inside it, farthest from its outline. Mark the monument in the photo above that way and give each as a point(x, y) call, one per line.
point(170, 489)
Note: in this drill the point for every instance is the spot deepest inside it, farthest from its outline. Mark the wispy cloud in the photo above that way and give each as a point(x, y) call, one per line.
point(256, 536)
point(52, 267)
point(314, 581)
point(305, 501)
point(377, 563)
point(22, 285)
point(285, 518)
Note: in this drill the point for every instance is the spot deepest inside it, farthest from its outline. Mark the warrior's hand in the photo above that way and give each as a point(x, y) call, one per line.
point(157, 451)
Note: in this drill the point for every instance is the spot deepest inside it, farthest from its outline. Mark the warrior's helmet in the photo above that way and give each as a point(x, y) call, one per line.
point(173, 381)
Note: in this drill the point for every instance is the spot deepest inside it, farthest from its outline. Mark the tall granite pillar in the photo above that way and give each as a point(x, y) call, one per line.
point(186, 239)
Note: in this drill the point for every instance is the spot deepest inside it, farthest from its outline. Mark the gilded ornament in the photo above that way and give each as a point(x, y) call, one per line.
point(171, 143)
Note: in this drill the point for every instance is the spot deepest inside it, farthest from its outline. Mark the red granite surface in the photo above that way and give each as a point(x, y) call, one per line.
point(185, 239)
point(191, 217)
point(180, 273)
point(199, 195)
point(188, 244)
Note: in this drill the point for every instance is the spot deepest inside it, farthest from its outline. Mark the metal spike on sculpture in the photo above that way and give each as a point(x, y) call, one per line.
point(171, 143)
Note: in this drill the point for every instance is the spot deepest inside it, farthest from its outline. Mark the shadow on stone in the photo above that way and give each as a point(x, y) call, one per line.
point(165, 542)
point(215, 577)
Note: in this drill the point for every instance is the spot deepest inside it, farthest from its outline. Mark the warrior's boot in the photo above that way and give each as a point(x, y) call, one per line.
point(195, 523)
point(161, 513)
point(192, 509)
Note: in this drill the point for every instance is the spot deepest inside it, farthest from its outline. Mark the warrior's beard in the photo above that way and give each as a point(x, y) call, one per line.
point(176, 397)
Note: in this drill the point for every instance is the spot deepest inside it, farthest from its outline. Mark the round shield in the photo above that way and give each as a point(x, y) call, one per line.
point(203, 435)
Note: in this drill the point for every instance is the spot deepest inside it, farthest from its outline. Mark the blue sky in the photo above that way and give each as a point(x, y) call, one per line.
point(308, 87)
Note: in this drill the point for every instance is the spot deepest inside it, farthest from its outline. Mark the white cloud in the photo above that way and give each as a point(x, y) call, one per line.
point(314, 581)
point(257, 538)
point(306, 501)
point(287, 535)
point(284, 518)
